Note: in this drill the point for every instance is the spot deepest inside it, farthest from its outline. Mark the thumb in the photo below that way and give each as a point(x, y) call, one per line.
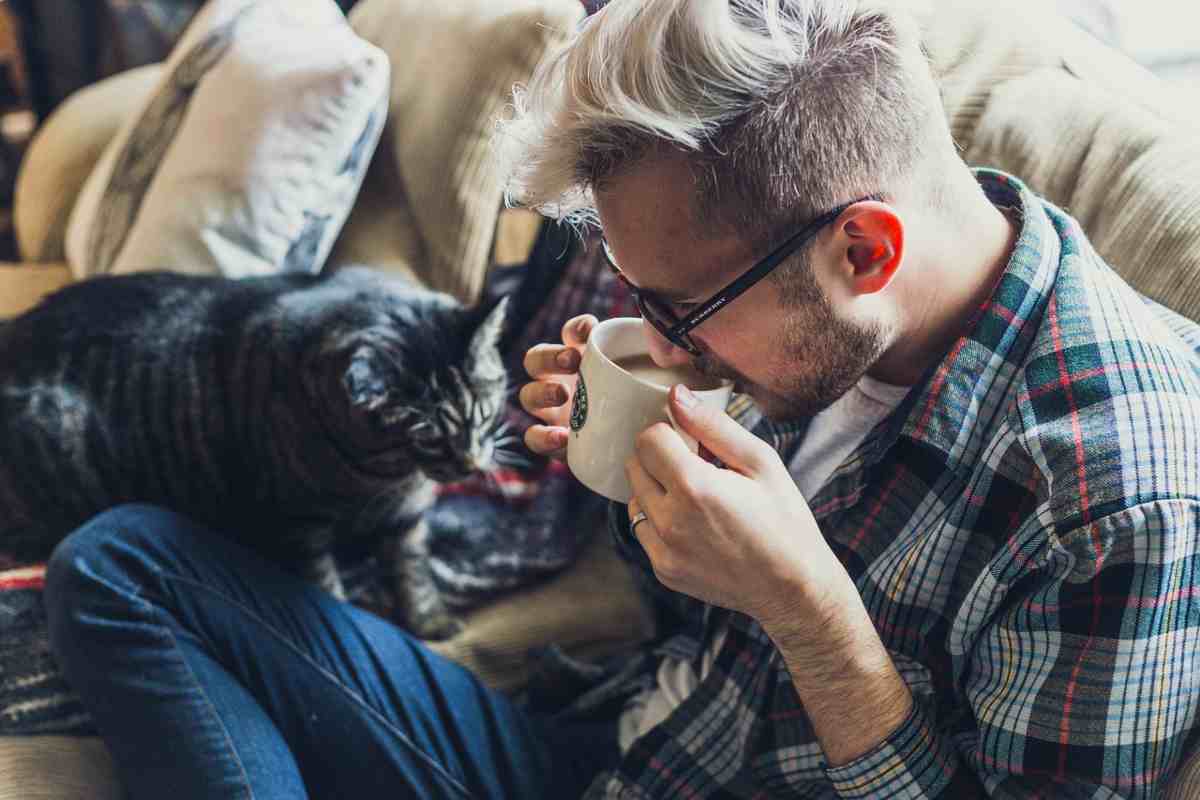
point(715, 430)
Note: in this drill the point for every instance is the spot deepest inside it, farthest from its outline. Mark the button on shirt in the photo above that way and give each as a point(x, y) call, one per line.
point(1023, 531)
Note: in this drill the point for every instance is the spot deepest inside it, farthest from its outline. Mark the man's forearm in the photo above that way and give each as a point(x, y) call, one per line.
point(844, 677)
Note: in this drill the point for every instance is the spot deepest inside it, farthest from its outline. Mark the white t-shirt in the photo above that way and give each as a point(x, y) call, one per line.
point(832, 436)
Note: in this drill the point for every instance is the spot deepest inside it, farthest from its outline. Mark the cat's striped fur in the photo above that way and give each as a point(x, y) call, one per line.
point(287, 411)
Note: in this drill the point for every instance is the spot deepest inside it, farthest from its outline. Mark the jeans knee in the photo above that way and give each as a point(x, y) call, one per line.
point(93, 552)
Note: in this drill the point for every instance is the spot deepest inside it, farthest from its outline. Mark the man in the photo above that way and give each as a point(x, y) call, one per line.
point(972, 576)
point(966, 568)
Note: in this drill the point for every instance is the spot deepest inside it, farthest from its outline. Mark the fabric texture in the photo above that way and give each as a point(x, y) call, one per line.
point(247, 157)
point(453, 69)
point(64, 152)
point(1108, 142)
point(71, 44)
point(212, 673)
point(56, 768)
point(1024, 532)
point(21, 286)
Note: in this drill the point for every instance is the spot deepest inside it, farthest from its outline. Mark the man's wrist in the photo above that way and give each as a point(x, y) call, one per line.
point(843, 675)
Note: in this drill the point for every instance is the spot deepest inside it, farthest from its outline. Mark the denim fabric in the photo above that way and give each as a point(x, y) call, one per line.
point(213, 674)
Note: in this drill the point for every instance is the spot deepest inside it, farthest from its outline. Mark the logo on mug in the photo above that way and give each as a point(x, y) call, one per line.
point(579, 406)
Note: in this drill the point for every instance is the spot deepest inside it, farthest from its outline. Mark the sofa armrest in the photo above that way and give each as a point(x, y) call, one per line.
point(62, 155)
point(56, 768)
point(23, 285)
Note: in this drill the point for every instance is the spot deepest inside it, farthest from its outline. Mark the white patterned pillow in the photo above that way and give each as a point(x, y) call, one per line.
point(248, 156)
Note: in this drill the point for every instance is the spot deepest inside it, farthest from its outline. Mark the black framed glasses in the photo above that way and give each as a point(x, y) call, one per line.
point(677, 329)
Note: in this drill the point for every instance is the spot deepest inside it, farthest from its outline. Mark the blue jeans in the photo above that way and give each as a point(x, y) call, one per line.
point(213, 674)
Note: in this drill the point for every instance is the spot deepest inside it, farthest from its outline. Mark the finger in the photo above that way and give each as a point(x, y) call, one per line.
point(545, 360)
point(666, 458)
point(547, 440)
point(541, 395)
point(740, 449)
point(577, 329)
point(648, 491)
point(635, 506)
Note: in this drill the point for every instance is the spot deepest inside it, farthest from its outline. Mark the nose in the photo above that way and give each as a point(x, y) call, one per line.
point(662, 351)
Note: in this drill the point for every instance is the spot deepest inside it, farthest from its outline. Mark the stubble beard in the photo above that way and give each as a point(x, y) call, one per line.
point(818, 358)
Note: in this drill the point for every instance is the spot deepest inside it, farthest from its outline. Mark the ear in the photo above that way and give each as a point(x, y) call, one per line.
point(489, 325)
point(874, 245)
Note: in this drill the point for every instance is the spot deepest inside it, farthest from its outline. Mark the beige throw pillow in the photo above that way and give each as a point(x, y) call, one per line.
point(453, 69)
point(247, 156)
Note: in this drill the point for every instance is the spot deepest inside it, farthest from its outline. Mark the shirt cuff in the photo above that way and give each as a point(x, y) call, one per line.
point(913, 762)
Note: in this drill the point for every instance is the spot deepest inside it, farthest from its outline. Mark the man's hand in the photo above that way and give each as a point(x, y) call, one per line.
point(555, 371)
point(743, 537)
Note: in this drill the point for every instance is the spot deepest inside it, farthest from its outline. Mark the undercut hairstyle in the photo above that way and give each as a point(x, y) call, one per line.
point(784, 109)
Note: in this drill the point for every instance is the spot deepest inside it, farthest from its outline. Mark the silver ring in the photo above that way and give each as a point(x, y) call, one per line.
point(637, 518)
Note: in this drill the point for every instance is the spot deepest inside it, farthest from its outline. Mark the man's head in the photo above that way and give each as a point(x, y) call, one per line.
point(702, 133)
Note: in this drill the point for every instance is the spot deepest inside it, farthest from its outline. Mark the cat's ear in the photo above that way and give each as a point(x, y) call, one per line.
point(489, 326)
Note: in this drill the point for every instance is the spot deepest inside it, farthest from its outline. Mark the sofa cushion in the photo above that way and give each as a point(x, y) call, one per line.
point(1131, 183)
point(1085, 127)
point(453, 69)
point(56, 768)
point(23, 285)
point(249, 153)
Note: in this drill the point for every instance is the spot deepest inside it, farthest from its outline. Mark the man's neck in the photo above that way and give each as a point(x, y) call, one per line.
point(953, 275)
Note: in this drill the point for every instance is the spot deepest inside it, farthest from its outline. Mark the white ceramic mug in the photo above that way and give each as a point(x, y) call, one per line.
point(611, 407)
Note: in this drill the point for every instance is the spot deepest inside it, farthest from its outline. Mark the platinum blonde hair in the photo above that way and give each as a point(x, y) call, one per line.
point(784, 108)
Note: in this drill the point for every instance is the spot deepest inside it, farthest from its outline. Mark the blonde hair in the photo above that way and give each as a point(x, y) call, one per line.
point(784, 108)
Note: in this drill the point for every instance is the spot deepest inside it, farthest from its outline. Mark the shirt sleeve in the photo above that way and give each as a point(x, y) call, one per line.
point(1083, 682)
point(915, 761)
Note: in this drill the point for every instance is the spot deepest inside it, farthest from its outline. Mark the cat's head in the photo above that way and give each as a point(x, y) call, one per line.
point(412, 380)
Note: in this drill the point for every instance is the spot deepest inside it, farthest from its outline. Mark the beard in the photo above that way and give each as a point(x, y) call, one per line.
point(816, 359)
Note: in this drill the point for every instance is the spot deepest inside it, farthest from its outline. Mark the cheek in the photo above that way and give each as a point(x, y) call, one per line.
point(744, 337)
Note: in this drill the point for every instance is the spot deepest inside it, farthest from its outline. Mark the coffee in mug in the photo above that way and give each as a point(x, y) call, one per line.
point(642, 367)
point(620, 393)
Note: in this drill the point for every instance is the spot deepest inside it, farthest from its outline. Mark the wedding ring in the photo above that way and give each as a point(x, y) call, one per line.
point(633, 523)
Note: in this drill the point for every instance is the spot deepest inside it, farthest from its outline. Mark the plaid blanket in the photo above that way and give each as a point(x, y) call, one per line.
point(537, 518)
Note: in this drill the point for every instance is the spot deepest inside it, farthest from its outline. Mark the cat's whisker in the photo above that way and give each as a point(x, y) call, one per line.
point(510, 458)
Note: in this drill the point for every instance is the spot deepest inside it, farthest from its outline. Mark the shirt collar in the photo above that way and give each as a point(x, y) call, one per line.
point(960, 395)
point(945, 406)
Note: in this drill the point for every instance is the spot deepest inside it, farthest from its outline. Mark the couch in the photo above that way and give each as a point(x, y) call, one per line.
point(1024, 91)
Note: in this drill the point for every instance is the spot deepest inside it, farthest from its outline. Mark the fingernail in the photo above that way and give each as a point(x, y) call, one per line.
point(559, 438)
point(566, 359)
point(554, 395)
point(685, 397)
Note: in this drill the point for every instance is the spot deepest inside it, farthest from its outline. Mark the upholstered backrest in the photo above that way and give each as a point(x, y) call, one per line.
point(1084, 126)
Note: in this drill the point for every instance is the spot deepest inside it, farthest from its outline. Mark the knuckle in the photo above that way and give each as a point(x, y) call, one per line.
point(759, 454)
point(693, 490)
point(534, 441)
point(526, 396)
point(530, 362)
point(666, 567)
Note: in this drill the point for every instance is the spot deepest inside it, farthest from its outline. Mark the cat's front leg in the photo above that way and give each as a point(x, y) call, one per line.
point(420, 607)
point(308, 552)
point(321, 570)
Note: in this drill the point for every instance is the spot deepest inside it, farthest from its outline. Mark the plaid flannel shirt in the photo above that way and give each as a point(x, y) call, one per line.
point(1023, 530)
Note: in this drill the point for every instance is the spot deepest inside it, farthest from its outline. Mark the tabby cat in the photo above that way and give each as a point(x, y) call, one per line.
point(292, 411)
